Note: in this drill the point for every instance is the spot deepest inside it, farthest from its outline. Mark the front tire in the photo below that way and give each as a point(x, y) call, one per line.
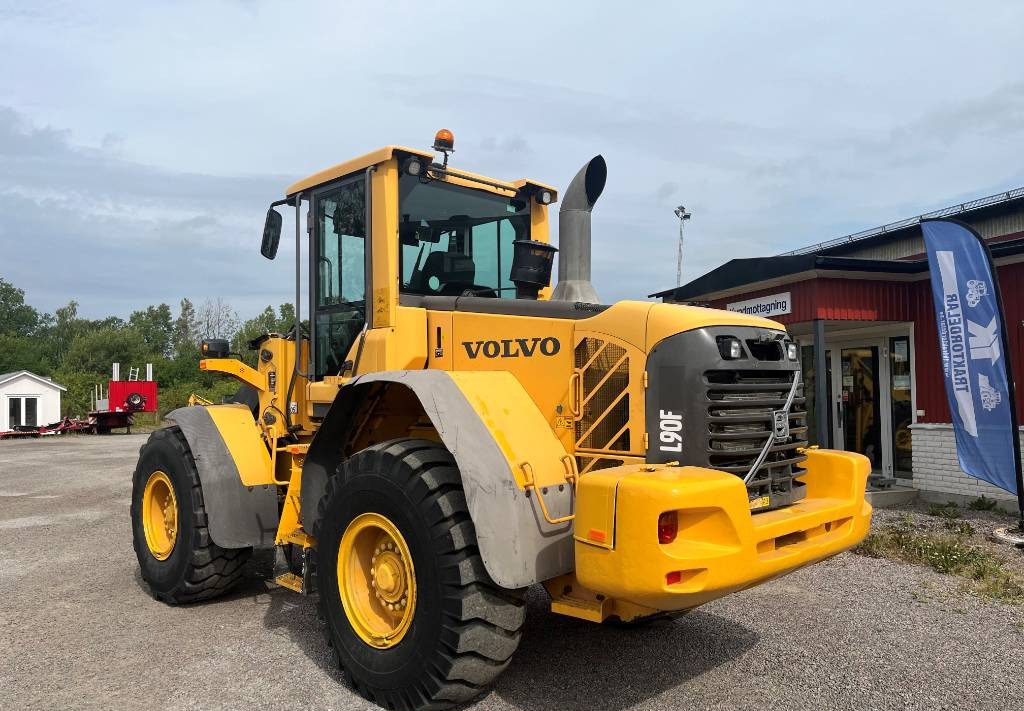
point(441, 634)
point(178, 560)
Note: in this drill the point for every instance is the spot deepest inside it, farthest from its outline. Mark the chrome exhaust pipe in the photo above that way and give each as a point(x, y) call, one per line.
point(574, 233)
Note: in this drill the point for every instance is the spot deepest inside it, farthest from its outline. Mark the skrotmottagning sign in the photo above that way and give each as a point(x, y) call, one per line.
point(768, 306)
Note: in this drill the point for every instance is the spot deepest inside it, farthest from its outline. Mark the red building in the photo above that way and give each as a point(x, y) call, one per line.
point(861, 308)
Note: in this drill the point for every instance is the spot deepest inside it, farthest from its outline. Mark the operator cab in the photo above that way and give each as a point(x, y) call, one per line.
point(458, 235)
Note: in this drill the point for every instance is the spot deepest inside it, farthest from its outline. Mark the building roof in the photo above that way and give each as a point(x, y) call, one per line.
point(4, 377)
point(748, 273)
point(964, 210)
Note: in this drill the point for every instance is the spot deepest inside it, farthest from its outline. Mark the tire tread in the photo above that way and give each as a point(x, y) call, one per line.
point(482, 623)
point(211, 570)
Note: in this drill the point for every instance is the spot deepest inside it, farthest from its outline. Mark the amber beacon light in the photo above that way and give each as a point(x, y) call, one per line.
point(444, 140)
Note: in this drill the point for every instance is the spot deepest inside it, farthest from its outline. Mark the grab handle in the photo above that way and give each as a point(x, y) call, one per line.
point(527, 470)
point(575, 394)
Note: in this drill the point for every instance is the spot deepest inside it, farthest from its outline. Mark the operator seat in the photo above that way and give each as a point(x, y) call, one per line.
point(453, 271)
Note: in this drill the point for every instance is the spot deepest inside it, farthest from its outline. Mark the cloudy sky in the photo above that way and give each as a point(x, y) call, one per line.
point(141, 142)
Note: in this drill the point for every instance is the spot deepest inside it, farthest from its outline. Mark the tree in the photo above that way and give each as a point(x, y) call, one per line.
point(266, 322)
point(287, 319)
point(155, 328)
point(16, 317)
point(95, 350)
point(22, 353)
point(186, 329)
point(66, 325)
point(217, 319)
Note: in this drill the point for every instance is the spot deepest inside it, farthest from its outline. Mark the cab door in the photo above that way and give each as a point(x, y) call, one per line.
point(339, 269)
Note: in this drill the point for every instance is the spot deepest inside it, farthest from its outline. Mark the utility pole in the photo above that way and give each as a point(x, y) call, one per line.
point(683, 216)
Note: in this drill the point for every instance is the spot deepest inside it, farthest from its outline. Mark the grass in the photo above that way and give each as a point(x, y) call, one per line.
point(948, 553)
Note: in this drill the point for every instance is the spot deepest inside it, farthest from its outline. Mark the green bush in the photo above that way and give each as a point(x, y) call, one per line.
point(982, 503)
point(947, 510)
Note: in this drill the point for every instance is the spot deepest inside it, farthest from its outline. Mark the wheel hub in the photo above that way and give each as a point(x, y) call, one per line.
point(376, 580)
point(160, 515)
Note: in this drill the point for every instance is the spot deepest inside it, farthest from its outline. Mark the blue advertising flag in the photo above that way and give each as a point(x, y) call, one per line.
point(975, 353)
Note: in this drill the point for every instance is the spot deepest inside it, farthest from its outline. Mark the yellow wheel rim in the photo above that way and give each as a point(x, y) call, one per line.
point(376, 580)
point(160, 515)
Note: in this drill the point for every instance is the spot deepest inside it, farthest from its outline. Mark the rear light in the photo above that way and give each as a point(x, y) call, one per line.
point(668, 527)
point(674, 577)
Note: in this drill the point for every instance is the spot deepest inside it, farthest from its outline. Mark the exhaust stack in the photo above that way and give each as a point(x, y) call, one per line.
point(574, 233)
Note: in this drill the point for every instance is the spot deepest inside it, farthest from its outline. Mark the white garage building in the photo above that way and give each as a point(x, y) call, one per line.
point(28, 399)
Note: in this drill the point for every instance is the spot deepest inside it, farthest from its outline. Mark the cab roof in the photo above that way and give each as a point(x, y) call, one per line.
point(384, 154)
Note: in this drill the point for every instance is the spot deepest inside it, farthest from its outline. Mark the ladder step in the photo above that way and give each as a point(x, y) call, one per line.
point(290, 581)
point(584, 609)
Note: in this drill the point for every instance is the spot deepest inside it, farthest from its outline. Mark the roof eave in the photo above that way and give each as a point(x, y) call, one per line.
point(41, 379)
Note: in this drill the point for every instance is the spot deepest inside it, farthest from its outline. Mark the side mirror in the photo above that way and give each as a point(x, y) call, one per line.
point(271, 234)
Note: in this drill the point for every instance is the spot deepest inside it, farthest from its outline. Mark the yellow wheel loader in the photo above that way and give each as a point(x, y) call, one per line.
point(443, 430)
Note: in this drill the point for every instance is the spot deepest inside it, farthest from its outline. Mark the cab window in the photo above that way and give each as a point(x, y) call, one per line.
point(457, 240)
point(340, 286)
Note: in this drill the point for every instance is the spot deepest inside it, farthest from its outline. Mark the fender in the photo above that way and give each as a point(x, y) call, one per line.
point(235, 473)
point(490, 425)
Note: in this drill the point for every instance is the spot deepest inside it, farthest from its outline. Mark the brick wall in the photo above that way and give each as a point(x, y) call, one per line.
point(937, 471)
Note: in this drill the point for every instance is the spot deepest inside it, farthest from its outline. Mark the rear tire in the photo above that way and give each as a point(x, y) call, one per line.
point(195, 568)
point(464, 628)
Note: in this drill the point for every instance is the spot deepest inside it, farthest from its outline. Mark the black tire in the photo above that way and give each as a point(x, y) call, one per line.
point(197, 568)
point(464, 628)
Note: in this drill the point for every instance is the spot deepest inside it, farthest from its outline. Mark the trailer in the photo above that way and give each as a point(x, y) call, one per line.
point(115, 407)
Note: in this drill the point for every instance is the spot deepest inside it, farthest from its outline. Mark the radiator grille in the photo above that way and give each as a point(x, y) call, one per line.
point(604, 416)
point(740, 407)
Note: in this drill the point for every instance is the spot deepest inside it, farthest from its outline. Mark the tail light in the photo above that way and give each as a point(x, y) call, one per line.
point(668, 527)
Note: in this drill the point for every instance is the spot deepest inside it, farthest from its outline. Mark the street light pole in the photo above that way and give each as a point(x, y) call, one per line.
point(683, 216)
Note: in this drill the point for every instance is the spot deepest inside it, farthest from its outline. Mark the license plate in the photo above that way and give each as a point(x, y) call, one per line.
point(761, 502)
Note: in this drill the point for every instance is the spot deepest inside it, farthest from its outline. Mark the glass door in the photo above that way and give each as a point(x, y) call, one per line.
point(339, 277)
point(859, 413)
point(22, 411)
point(862, 401)
point(872, 401)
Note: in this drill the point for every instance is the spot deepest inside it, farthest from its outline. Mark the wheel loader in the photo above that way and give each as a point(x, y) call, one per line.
point(443, 429)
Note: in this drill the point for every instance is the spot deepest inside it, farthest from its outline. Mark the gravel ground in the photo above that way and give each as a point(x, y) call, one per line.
point(78, 629)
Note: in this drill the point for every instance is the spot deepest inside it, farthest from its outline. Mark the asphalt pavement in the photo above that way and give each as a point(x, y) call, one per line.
point(78, 629)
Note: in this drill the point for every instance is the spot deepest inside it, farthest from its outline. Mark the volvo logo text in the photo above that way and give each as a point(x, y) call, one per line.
point(513, 347)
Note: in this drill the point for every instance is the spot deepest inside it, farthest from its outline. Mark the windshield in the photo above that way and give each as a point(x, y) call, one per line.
point(456, 240)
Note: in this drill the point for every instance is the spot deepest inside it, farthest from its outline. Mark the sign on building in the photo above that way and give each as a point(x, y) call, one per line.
point(768, 306)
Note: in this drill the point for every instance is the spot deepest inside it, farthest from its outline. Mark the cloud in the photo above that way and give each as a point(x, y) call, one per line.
point(117, 235)
point(776, 126)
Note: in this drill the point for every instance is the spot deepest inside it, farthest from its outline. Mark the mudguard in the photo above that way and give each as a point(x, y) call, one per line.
point(491, 426)
point(238, 490)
